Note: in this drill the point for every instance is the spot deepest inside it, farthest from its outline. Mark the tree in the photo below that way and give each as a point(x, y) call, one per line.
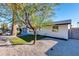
point(4, 27)
point(33, 16)
point(12, 10)
point(37, 16)
point(15, 8)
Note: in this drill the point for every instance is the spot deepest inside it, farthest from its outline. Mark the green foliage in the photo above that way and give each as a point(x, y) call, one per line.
point(1, 32)
point(39, 14)
point(4, 27)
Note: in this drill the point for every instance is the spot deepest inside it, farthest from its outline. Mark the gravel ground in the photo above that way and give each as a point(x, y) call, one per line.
point(38, 49)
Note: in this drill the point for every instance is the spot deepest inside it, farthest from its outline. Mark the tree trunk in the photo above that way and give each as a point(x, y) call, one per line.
point(27, 22)
point(14, 28)
point(35, 36)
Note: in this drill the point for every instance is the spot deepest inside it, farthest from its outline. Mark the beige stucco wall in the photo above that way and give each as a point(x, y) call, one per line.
point(62, 32)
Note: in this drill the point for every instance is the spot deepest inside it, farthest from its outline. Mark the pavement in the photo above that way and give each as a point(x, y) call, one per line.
point(65, 48)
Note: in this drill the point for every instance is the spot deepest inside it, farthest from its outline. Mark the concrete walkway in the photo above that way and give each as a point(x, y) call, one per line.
point(38, 49)
point(65, 48)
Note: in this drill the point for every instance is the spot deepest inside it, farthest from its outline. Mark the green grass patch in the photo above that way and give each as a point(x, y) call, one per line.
point(25, 39)
point(17, 40)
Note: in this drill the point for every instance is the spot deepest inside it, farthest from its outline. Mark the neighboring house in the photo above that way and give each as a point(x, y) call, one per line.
point(59, 29)
point(24, 31)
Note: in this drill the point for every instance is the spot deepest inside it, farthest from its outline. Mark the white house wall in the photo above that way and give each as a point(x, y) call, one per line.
point(62, 32)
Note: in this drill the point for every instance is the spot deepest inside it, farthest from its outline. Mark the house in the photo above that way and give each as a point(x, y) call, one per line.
point(59, 29)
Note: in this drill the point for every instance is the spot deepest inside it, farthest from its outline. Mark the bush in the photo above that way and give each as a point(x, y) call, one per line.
point(1, 33)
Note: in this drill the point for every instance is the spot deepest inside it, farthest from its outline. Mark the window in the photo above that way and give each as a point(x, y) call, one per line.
point(55, 28)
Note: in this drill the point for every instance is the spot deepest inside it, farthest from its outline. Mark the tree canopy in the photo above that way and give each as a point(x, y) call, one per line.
point(31, 15)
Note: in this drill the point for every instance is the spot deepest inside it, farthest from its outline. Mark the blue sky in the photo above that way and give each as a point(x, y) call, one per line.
point(67, 11)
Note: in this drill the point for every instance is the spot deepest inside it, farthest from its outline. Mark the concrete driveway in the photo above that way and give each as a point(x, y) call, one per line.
point(65, 48)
